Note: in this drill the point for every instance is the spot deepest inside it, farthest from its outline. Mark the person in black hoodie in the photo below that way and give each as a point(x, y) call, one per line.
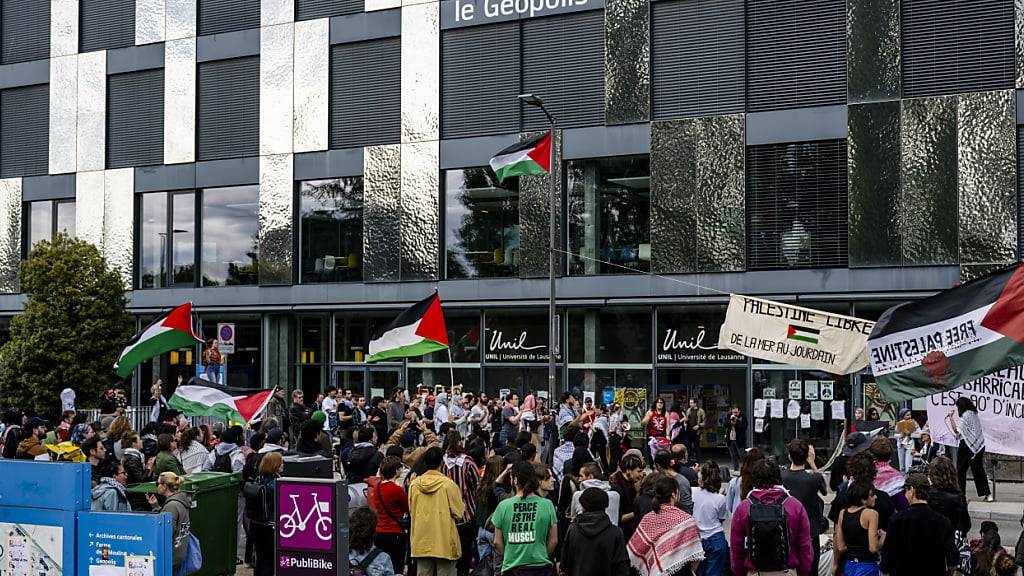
point(364, 459)
point(593, 546)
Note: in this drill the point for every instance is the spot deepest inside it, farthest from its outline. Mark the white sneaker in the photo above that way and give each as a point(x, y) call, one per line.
point(990, 498)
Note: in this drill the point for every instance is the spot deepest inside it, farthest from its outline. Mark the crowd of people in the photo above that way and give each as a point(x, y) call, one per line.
point(446, 485)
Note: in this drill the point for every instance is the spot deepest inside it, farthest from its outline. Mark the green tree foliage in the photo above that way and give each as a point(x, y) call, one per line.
point(71, 331)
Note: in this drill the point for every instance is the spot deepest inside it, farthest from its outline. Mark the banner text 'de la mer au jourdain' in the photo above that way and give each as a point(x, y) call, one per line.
point(794, 335)
point(1000, 401)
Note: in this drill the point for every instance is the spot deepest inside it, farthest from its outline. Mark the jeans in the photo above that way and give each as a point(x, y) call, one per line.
point(394, 545)
point(693, 445)
point(735, 454)
point(906, 458)
point(716, 555)
point(854, 568)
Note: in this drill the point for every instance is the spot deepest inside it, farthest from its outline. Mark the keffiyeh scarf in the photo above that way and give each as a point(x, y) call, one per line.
point(665, 542)
point(888, 479)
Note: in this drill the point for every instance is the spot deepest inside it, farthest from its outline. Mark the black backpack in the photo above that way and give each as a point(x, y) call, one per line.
point(222, 463)
point(360, 568)
point(768, 542)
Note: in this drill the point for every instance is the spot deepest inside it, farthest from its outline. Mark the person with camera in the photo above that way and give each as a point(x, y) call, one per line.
point(736, 435)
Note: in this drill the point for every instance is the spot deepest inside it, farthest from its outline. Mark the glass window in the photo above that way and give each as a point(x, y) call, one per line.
point(516, 336)
point(331, 230)
point(230, 220)
point(166, 243)
point(499, 382)
point(689, 335)
point(609, 215)
point(715, 390)
point(243, 367)
point(463, 337)
point(481, 224)
point(610, 335)
point(817, 388)
point(352, 332)
point(468, 378)
point(45, 218)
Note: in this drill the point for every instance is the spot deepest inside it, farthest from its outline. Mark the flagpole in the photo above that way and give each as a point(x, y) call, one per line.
point(451, 370)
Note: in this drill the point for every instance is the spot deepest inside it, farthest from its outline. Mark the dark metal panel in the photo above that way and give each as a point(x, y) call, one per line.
point(135, 119)
point(229, 105)
point(952, 46)
point(329, 164)
point(697, 57)
point(217, 16)
point(796, 125)
point(233, 172)
point(480, 80)
point(365, 93)
point(24, 30)
point(797, 207)
point(473, 152)
point(312, 9)
point(873, 168)
point(24, 131)
point(627, 61)
point(796, 53)
point(873, 59)
point(24, 74)
point(165, 177)
point(56, 187)
point(228, 45)
point(563, 63)
point(600, 141)
point(366, 26)
point(105, 24)
point(135, 58)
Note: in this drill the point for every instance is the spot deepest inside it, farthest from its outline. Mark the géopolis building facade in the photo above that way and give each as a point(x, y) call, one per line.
point(303, 169)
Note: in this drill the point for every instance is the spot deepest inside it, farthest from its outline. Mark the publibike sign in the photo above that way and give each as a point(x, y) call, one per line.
point(312, 519)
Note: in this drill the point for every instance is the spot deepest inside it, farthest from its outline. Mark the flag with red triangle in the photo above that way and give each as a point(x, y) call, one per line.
point(419, 330)
point(169, 332)
point(926, 346)
point(232, 404)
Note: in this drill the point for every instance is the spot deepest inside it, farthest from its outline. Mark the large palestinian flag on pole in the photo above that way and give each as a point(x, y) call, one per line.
point(232, 404)
point(527, 158)
point(939, 343)
point(169, 332)
point(417, 331)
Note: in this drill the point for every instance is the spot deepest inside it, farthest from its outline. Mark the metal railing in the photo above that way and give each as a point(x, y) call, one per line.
point(140, 416)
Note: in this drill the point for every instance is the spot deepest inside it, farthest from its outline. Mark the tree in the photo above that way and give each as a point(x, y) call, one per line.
point(71, 331)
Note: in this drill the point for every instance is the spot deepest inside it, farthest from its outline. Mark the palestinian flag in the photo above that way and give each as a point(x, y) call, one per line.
point(803, 334)
point(168, 332)
point(961, 334)
point(527, 158)
point(417, 331)
point(232, 404)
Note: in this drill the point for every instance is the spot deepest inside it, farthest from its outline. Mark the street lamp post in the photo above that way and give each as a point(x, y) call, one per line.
point(553, 327)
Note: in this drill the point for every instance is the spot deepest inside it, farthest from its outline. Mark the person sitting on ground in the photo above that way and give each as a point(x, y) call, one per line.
point(986, 549)
point(593, 545)
point(363, 555)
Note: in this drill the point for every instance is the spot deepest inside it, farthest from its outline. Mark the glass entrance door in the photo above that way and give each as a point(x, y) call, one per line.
point(369, 381)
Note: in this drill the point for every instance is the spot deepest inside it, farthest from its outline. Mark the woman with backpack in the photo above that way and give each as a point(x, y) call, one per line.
point(667, 541)
point(857, 533)
point(365, 559)
point(259, 507)
point(178, 504)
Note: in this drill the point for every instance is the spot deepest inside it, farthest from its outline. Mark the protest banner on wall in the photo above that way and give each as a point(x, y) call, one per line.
point(793, 335)
point(1000, 401)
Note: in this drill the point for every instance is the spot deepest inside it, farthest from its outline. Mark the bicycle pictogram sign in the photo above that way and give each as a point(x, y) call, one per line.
point(306, 516)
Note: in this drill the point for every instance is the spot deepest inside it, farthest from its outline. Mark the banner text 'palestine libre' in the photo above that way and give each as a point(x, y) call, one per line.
point(806, 317)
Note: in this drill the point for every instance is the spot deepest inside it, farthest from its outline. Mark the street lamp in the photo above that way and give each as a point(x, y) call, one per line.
point(553, 331)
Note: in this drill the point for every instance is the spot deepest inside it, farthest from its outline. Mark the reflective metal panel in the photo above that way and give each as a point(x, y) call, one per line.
point(374, 5)
point(89, 208)
point(181, 18)
point(533, 217)
point(276, 207)
point(928, 195)
point(10, 235)
point(92, 110)
point(150, 24)
point(118, 221)
point(180, 101)
point(63, 114)
point(873, 169)
point(627, 61)
point(382, 173)
point(1019, 25)
point(421, 72)
point(987, 177)
point(873, 49)
point(421, 191)
point(698, 196)
point(276, 88)
point(276, 12)
point(312, 60)
point(63, 27)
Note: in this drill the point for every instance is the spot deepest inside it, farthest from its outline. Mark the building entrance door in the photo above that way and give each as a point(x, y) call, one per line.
point(369, 381)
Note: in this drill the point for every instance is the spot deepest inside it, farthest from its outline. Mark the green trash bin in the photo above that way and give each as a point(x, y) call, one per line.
point(213, 518)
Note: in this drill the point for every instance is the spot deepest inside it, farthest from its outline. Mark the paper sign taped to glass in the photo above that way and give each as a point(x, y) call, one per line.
point(794, 335)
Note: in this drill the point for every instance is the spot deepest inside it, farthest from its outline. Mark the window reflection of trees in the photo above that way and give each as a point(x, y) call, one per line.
point(230, 243)
point(482, 224)
point(331, 230)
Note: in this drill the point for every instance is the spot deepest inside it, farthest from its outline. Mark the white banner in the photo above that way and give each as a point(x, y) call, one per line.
point(1000, 401)
point(793, 335)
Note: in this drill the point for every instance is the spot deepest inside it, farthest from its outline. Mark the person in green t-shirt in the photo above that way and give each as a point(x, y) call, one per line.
point(525, 526)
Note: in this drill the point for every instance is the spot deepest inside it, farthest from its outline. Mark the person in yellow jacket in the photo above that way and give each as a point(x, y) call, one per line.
point(435, 505)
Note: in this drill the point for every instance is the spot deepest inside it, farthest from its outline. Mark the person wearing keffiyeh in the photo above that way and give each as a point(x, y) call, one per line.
point(109, 494)
point(971, 453)
point(667, 541)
